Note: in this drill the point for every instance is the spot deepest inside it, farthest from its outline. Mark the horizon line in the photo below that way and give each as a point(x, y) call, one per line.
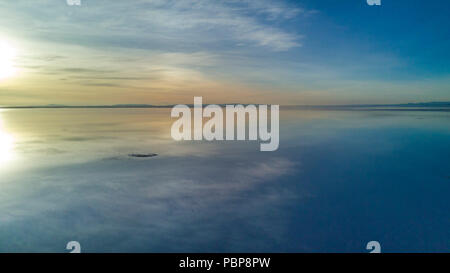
point(131, 105)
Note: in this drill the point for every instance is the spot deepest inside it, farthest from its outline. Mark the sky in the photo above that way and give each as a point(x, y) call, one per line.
point(261, 51)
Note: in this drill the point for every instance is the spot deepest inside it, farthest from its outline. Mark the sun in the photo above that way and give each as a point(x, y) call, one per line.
point(7, 56)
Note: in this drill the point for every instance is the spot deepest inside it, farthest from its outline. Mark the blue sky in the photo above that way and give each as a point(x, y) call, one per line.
point(277, 52)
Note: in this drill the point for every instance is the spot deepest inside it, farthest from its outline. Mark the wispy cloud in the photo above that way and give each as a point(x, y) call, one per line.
point(194, 23)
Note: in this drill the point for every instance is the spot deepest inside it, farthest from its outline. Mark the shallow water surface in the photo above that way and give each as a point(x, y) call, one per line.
point(338, 180)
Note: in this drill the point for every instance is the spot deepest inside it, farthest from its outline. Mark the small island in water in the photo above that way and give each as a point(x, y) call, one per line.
point(143, 155)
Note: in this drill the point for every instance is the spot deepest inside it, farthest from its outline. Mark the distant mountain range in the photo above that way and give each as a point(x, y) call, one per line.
point(444, 104)
point(419, 104)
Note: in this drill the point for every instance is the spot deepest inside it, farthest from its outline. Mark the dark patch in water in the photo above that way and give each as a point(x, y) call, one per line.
point(143, 155)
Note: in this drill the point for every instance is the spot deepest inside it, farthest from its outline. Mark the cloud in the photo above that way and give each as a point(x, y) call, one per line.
point(158, 23)
point(85, 70)
point(232, 20)
point(126, 201)
point(156, 51)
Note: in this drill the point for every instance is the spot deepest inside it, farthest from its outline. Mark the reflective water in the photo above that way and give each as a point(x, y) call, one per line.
point(338, 180)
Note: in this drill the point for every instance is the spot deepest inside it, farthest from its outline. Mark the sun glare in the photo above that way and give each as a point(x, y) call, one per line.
point(7, 55)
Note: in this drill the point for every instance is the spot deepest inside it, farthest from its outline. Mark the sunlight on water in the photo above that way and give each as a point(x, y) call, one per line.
point(6, 145)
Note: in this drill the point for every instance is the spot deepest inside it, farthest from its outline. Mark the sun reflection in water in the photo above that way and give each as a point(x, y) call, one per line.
point(6, 145)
